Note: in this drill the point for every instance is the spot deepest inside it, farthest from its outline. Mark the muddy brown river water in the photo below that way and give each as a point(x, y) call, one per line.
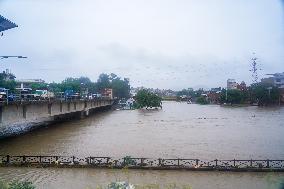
point(178, 130)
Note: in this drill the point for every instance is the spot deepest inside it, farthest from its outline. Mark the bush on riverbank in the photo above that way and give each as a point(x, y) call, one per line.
point(16, 185)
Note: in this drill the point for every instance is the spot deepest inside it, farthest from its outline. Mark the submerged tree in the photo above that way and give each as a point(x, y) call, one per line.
point(146, 99)
point(202, 100)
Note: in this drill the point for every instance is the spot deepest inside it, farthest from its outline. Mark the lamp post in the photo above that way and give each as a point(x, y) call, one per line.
point(81, 90)
point(3, 57)
point(226, 94)
point(269, 89)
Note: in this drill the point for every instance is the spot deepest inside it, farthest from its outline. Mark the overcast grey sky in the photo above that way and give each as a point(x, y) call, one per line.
point(156, 43)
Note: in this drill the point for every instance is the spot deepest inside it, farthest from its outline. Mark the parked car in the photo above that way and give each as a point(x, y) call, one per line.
point(97, 95)
point(25, 93)
point(70, 94)
point(37, 94)
point(3, 94)
point(59, 95)
point(43, 94)
point(12, 97)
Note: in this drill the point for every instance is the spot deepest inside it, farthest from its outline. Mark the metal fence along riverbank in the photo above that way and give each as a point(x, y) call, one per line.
point(143, 163)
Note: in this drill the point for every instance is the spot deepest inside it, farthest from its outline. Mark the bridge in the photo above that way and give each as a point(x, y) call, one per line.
point(143, 163)
point(21, 116)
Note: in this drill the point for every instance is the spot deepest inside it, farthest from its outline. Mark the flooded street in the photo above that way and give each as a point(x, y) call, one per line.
point(178, 130)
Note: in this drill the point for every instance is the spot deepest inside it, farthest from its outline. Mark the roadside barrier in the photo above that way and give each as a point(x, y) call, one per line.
point(143, 163)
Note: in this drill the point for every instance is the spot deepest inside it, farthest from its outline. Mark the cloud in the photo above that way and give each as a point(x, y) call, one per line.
point(159, 43)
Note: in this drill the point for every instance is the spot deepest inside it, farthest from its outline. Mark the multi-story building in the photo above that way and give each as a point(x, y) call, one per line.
point(107, 92)
point(231, 84)
point(242, 86)
point(277, 80)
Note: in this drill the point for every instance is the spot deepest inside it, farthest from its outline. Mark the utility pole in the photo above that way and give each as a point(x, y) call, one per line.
point(5, 57)
point(226, 94)
point(254, 70)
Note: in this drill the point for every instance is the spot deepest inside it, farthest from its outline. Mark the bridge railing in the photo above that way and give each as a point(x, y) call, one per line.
point(142, 162)
point(32, 100)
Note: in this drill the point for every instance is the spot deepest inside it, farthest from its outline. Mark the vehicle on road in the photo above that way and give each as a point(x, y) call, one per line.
point(43, 94)
point(3, 94)
point(25, 93)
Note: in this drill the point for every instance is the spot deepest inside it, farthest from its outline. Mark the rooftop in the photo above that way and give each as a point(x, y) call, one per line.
point(6, 24)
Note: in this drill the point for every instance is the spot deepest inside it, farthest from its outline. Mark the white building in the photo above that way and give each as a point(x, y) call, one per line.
point(30, 81)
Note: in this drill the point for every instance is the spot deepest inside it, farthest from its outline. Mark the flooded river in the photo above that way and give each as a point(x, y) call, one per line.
point(178, 130)
point(94, 178)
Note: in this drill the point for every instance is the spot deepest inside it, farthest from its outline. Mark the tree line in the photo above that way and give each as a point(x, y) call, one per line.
point(261, 93)
point(120, 86)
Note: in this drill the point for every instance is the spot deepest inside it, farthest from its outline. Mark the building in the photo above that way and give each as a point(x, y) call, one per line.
point(107, 92)
point(242, 86)
point(215, 89)
point(30, 81)
point(23, 83)
point(6, 24)
point(277, 80)
point(231, 84)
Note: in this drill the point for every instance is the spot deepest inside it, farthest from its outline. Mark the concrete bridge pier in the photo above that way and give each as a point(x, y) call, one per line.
point(84, 113)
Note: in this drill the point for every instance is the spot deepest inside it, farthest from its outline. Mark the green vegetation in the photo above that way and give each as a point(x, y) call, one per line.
point(120, 185)
point(120, 86)
point(147, 99)
point(262, 94)
point(187, 92)
point(7, 80)
point(259, 93)
point(234, 96)
point(16, 185)
point(202, 100)
point(128, 161)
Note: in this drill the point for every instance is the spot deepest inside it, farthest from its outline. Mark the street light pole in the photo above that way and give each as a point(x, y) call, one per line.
point(2, 57)
point(226, 94)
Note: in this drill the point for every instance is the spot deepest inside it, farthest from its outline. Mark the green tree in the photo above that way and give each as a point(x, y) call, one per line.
point(120, 87)
point(147, 99)
point(202, 100)
point(103, 81)
point(39, 86)
point(234, 96)
point(264, 94)
point(7, 81)
point(187, 92)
